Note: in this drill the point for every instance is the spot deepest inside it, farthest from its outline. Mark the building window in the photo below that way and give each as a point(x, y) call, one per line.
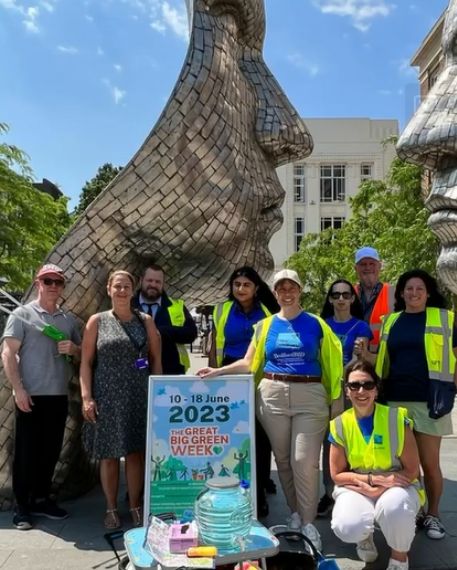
point(299, 232)
point(366, 172)
point(333, 183)
point(299, 182)
point(335, 222)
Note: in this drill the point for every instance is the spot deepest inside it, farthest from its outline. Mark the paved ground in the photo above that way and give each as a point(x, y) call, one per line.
point(78, 542)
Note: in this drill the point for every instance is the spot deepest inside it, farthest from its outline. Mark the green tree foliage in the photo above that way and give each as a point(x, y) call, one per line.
point(31, 222)
point(389, 216)
point(93, 187)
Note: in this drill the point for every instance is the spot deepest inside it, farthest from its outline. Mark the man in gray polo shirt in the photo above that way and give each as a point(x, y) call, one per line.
point(39, 370)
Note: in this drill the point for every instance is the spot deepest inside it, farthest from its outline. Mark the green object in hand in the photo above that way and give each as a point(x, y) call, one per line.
point(53, 332)
point(56, 334)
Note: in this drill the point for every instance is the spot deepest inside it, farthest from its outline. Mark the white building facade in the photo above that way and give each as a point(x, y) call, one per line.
point(346, 152)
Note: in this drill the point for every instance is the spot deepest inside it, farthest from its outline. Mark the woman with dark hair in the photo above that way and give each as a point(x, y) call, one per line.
point(416, 360)
point(375, 466)
point(249, 301)
point(343, 313)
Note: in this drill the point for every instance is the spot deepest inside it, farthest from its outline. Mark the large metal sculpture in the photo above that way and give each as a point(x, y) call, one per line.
point(430, 139)
point(201, 195)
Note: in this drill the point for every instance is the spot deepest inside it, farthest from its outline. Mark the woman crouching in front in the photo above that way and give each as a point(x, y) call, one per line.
point(374, 464)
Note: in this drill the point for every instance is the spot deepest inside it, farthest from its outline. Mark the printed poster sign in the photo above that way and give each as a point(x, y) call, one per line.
point(197, 429)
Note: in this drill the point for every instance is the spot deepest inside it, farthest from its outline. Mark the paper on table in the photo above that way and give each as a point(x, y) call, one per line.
point(157, 544)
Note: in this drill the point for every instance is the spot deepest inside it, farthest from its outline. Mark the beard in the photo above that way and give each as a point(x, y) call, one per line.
point(151, 293)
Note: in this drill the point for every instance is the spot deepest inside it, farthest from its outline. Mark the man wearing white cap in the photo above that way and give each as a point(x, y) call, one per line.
point(377, 298)
point(39, 370)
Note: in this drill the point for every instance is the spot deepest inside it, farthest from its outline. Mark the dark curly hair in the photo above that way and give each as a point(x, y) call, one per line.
point(264, 294)
point(435, 298)
point(356, 307)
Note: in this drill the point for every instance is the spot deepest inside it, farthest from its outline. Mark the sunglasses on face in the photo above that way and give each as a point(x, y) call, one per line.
point(49, 282)
point(355, 386)
point(337, 294)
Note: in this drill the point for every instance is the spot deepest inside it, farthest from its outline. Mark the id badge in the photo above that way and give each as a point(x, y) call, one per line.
point(141, 363)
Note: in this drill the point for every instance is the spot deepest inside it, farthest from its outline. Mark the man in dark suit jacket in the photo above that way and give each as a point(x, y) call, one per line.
point(175, 324)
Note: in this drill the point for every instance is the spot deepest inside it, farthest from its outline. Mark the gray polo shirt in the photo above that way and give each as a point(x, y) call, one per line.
point(44, 372)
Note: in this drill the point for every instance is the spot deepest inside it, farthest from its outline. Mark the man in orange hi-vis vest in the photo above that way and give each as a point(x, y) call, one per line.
point(377, 298)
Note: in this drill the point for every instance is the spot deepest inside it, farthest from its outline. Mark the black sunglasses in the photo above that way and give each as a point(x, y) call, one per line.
point(337, 294)
point(355, 386)
point(58, 282)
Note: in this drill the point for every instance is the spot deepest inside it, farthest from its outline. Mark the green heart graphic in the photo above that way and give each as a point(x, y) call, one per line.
point(218, 449)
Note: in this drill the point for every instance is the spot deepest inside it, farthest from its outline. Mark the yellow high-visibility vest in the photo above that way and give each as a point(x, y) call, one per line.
point(331, 356)
point(439, 325)
point(220, 317)
point(382, 452)
point(178, 318)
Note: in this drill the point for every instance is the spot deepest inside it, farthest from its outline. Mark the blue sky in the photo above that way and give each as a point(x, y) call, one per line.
point(83, 81)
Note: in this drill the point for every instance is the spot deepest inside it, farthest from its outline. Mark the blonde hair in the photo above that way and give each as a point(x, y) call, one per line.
point(117, 272)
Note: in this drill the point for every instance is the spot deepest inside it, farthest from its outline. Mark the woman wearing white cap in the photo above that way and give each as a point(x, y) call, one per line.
point(297, 363)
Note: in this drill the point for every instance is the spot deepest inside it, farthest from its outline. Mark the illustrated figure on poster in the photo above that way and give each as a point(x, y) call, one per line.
point(184, 474)
point(241, 467)
point(208, 471)
point(158, 468)
point(224, 472)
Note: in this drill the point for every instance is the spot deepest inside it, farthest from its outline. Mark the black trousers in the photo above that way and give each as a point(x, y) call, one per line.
point(37, 446)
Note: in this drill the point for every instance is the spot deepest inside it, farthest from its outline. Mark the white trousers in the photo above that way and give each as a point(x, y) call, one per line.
point(395, 512)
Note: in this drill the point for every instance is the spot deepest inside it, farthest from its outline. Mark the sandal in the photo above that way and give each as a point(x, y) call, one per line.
point(137, 516)
point(111, 520)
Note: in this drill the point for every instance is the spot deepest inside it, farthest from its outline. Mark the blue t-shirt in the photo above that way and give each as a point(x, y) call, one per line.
point(366, 426)
point(239, 329)
point(347, 332)
point(408, 378)
point(293, 347)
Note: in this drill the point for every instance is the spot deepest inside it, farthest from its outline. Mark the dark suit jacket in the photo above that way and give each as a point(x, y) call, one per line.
point(171, 335)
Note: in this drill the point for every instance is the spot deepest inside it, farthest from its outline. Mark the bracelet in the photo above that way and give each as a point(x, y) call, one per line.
point(370, 479)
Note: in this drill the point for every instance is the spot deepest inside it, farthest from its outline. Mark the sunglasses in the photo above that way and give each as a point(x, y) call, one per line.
point(355, 386)
point(337, 294)
point(49, 282)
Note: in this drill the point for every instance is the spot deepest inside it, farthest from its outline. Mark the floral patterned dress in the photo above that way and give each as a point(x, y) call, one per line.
point(119, 389)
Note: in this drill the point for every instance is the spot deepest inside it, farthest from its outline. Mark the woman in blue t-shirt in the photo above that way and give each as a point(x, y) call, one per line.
point(342, 311)
point(249, 301)
point(297, 361)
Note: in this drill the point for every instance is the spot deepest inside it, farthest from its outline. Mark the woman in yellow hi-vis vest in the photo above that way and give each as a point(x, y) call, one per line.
point(416, 361)
point(249, 301)
point(297, 362)
point(374, 464)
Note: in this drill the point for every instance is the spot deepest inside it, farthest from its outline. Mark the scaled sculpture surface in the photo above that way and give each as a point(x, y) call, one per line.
point(200, 197)
point(430, 139)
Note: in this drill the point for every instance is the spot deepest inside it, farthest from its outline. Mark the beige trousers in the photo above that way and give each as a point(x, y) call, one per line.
point(295, 417)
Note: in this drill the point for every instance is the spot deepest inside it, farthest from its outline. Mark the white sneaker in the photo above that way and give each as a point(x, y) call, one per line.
point(311, 532)
point(294, 523)
point(366, 550)
point(397, 565)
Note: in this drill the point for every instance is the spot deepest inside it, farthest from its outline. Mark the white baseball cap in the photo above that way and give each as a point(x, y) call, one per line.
point(289, 274)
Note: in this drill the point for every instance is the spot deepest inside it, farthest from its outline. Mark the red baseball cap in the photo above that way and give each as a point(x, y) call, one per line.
point(50, 269)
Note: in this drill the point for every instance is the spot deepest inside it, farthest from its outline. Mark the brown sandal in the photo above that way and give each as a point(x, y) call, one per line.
point(137, 516)
point(112, 520)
